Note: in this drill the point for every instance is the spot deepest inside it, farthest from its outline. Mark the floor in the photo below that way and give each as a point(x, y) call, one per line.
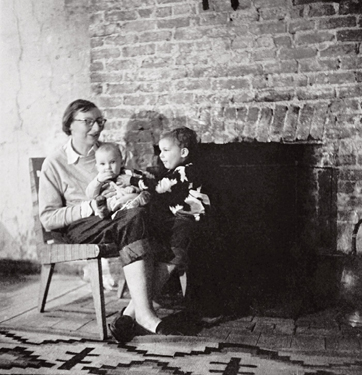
point(63, 340)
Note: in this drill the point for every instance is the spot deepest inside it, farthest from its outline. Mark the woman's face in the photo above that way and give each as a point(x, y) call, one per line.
point(83, 134)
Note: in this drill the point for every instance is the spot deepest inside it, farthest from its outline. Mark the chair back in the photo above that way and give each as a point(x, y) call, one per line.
point(35, 165)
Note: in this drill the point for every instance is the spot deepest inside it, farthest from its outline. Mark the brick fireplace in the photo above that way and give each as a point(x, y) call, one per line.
point(273, 88)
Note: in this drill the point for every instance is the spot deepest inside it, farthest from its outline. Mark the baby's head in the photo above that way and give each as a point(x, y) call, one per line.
point(109, 158)
point(177, 146)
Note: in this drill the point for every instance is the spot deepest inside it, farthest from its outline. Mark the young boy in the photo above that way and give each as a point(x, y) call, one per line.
point(109, 163)
point(177, 202)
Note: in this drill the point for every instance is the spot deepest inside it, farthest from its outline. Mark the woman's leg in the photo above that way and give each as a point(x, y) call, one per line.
point(139, 276)
point(179, 233)
point(161, 273)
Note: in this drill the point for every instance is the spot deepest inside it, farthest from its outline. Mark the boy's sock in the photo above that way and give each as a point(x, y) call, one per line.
point(102, 209)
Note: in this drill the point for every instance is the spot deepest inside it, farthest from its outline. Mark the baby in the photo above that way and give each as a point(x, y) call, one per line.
point(109, 163)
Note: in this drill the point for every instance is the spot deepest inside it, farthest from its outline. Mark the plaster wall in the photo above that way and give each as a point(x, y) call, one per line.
point(44, 65)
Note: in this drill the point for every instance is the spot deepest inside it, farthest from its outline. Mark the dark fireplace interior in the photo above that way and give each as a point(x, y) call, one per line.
point(273, 227)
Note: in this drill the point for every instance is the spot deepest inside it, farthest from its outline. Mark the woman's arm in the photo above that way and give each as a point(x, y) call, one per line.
point(53, 212)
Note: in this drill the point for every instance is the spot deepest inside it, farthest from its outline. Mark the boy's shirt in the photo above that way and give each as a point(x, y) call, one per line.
point(178, 191)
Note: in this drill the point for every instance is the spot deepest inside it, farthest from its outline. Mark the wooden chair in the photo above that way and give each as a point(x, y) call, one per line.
point(52, 253)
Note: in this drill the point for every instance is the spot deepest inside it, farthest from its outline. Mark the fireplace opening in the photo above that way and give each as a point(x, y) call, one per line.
point(276, 221)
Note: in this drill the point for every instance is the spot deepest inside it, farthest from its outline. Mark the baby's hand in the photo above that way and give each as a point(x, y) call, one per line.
point(104, 176)
point(121, 191)
point(117, 202)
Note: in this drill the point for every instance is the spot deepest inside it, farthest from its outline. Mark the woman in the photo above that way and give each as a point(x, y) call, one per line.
point(66, 211)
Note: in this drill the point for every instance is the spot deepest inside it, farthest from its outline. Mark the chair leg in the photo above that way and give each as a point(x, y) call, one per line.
point(183, 282)
point(95, 273)
point(121, 288)
point(45, 279)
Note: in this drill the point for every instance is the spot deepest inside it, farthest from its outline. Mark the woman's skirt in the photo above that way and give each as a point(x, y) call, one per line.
point(128, 230)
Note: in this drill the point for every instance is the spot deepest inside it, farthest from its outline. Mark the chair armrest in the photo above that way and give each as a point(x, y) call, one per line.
point(59, 252)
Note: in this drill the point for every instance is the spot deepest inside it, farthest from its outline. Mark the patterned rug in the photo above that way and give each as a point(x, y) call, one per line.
point(32, 353)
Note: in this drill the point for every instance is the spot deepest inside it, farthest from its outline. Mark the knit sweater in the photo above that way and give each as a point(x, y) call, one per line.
point(64, 178)
point(177, 191)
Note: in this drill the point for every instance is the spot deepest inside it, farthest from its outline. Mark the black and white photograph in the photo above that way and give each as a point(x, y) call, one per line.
point(181, 187)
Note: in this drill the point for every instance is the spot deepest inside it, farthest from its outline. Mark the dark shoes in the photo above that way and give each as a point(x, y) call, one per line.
point(165, 327)
point(122, 328)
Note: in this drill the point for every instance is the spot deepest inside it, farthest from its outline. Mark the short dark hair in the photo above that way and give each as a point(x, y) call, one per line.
point(185, 138)
point(78, 105)
point(109, 146)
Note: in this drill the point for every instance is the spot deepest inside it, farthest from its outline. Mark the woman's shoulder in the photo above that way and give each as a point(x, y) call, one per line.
point(57, 157)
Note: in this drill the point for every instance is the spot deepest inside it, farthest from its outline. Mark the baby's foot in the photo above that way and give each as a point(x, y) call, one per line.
point(108, 281)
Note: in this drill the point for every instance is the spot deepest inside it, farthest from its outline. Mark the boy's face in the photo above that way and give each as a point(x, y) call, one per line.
point(172, 155)
point(109, 161)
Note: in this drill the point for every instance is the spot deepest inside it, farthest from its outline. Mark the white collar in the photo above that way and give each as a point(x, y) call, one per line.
point(72, 155)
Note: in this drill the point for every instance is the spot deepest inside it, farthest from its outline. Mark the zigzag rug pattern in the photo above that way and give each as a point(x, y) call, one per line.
point(30, 353)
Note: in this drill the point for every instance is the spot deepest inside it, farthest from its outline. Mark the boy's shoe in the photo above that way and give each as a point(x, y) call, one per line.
point(102, 209)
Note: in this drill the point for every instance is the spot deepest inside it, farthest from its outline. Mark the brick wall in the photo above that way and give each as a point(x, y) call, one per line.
point(270, 71)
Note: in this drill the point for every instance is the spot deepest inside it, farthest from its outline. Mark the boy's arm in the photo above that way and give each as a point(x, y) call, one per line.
point(139, 179)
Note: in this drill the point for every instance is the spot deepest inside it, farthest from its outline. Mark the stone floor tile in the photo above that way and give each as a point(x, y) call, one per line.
point(239, 324)
point(302, 342)
point(246, 339)
point(332, 342)
point(248, 318)
point(217, 332)
point(286, 328)
point(349, 343)
point(262, 326)
point(304, 330)
point(275, 341)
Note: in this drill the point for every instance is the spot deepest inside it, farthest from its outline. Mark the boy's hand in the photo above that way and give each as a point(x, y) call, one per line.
point(130, 189)
point(105, 176)
point(123, 180)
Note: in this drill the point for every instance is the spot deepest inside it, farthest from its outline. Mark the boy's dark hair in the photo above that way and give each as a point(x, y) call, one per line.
point(185, 138)
point(109, 146)
point(78, 105)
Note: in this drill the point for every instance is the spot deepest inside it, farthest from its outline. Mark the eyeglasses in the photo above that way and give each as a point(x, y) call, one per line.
point(89, 122)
